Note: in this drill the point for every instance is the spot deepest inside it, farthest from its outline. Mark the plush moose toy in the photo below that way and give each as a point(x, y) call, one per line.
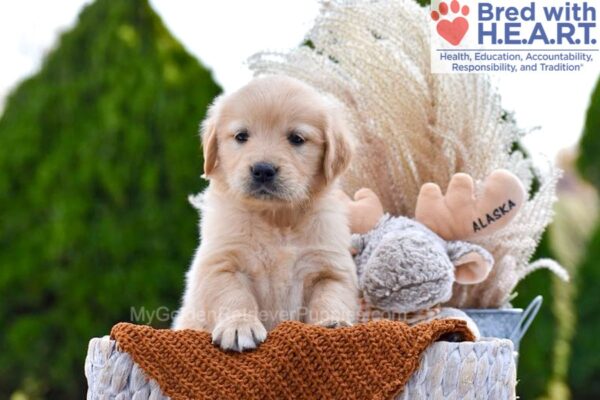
point(406, 265)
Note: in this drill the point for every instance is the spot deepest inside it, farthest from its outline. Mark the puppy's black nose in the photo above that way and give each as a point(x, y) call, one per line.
point(263, 172)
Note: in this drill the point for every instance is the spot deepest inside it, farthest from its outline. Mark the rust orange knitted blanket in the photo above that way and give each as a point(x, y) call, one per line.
point(297, 361)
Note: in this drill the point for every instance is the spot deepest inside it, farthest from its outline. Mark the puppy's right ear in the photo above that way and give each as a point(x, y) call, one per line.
point(209, 137)
point(339, 145)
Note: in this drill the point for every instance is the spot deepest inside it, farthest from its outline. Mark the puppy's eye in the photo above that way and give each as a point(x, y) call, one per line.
point(295, 139)
point(241, 136)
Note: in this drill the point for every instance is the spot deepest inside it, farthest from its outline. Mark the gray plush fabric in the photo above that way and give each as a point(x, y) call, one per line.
point(405, 267)
point(457, 249)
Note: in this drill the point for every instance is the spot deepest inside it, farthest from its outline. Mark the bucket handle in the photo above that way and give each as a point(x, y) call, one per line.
point(526, 319)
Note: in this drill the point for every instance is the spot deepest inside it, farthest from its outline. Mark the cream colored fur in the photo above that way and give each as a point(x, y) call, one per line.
point(264, 259)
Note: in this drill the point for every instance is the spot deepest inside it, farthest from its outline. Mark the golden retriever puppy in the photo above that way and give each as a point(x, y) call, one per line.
point(274, 236)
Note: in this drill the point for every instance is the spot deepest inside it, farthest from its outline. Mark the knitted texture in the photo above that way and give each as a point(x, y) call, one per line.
point(366, 361)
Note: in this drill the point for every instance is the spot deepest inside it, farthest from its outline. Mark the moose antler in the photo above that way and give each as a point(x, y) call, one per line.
point(459, 215)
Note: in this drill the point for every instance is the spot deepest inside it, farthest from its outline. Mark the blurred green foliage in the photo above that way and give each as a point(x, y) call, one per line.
point(584, 375)
point(589, 147)
point(535, 350)
point(98, 152)
point(559, 356)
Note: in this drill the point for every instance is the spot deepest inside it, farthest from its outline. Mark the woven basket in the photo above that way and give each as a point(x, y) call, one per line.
point(467, 370)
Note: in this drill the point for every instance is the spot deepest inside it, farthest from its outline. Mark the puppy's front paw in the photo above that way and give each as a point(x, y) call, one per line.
point(333, 323)
point(239, 333)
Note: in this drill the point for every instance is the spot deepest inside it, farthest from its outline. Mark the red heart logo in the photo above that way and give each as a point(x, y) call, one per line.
point(453, 31)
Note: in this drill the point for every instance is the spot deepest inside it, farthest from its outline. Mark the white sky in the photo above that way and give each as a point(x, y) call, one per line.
point(223, 33)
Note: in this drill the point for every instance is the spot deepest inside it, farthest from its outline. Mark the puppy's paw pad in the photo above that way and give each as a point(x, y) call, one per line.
point(239, 333)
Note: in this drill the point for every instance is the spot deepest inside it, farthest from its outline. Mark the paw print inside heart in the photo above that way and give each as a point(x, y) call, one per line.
point(451, 30)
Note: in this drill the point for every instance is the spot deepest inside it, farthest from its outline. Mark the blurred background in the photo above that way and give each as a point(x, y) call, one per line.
point(100, 103)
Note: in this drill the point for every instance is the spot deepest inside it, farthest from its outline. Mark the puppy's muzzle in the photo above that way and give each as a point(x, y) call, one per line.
point(263, 173)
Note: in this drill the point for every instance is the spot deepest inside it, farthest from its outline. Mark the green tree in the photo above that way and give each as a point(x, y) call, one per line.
point(584, 370)
point(584, 374)
point(535, 353)
point(589, 146)
point(98, 152)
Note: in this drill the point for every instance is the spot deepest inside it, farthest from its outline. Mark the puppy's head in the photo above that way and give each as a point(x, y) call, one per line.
point(275, 140)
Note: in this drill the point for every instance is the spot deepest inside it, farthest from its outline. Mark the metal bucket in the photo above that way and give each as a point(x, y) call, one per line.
point(509, 323)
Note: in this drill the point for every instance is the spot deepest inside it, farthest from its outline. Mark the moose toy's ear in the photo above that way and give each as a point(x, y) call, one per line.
point(461, 215)
point(364, 212)
point(208, 132)
point(472, 263)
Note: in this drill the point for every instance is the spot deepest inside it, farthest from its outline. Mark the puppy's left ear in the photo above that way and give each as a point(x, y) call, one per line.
point(338, 145)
